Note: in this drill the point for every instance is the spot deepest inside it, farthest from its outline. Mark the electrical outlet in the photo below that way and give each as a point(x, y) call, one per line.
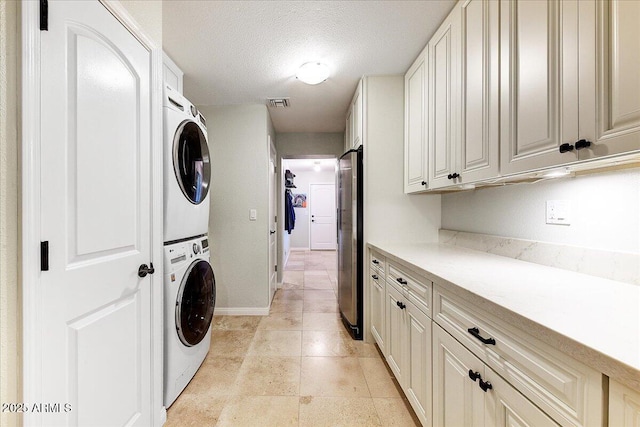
point(559, 212)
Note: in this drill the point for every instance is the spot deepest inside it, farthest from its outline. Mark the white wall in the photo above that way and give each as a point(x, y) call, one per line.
point(391, 215)
point(299, 237)
point(239, 182)
point(605, 211)
point(10, 302)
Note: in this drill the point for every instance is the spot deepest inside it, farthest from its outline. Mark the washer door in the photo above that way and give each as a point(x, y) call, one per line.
point(195, 303)
point(191, 161)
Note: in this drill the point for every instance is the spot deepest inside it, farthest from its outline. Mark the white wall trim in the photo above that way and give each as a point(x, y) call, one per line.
point(241, 311)
point(31, 207)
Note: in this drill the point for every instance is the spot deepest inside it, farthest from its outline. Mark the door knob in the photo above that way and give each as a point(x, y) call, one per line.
point(145, 269)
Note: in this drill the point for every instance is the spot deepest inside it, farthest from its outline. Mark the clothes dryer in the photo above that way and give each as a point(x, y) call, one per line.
point(187, 169)
point(189, 300)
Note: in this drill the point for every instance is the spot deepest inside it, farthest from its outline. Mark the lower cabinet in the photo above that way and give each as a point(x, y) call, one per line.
point(377, 307)
point(408, 352)
point(624, 406)
point(468, 393)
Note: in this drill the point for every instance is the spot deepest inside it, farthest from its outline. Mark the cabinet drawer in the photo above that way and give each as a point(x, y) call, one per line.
point(567, 390)
point(418, 291)
point(377, 262)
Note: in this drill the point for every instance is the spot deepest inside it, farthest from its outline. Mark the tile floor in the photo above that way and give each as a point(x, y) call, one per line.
point(295, 367)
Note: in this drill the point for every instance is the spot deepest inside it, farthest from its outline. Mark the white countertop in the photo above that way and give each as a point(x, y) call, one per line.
point(594, 320)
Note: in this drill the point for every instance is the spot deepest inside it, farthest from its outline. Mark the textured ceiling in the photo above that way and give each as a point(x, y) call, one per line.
point(241, 52)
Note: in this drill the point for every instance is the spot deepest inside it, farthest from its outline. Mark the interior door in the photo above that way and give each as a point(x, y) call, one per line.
point(273, 237)
point(96, 216)
point(323, 216)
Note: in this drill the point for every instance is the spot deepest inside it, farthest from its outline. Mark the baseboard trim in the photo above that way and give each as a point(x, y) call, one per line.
point(242, 311)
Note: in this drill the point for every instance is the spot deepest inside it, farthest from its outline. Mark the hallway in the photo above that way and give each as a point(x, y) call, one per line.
point(295, 367)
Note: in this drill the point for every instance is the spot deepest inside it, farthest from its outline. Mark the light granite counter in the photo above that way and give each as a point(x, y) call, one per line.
point(594, 320)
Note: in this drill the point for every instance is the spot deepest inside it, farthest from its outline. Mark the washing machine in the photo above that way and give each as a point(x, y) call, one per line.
point(187, 169)
point(189, 300)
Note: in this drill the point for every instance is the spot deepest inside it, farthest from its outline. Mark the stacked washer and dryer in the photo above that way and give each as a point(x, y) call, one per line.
point(189, 282)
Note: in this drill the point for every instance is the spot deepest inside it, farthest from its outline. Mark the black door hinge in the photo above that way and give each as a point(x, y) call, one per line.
point(44, 256)
point(44, 15)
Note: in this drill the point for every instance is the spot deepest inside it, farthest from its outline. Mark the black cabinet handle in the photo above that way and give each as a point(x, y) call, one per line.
point(583, 143)
point(476, 333)
point(453, 175)
point(401, 305)
point(375, 261)
point(144, 269)
point(424, 182)
point(485, 385)
point(375, 276)
point(565, 147)
point(401, 281)
point(474, 375)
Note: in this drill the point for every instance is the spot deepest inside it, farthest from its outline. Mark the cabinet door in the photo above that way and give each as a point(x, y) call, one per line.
point(609, 82)
point(444, 83)
point(539, 83)
point(457, 399)
point(348, 131)
point(479, 140)
point(415, 143)
point(418, 374)
point(396, 333)
point(376, 305)
point(506, 407)
point(356, 108)
point(624, 406)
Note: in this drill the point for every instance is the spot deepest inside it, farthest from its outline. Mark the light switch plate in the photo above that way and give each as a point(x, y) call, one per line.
point(559, 212)
point(253, 214)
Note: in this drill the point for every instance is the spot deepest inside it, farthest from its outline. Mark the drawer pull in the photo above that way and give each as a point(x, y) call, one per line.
point(375, 276)
point(474, 375)
point(401, 281)
point(476, 333)
point(485, 385)
point(375, 261)
point(401, 305)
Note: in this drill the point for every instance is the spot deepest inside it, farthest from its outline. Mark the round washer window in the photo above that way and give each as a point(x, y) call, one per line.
point(195, 303)
point(191, 161)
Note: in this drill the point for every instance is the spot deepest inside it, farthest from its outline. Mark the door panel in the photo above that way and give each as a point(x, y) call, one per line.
point(415, 127)
point(323, 216)
point(96, 215)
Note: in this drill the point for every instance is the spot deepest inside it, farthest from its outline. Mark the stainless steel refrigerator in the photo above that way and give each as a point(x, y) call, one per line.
point(350, 245)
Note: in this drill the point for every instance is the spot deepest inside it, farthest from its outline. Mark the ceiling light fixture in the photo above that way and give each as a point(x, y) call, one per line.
point(312, 73)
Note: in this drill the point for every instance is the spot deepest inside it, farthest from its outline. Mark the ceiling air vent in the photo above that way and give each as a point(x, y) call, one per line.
point(278, 102)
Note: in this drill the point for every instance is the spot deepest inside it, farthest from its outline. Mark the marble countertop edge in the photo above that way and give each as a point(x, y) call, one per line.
point(580, 332)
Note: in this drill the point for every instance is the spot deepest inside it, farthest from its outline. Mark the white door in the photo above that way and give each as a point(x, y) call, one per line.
point(273, 236)
point(95, 310)
point(323, 216)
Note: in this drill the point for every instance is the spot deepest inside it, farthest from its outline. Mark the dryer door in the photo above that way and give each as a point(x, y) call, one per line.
point(195, 303)
point(191, 161)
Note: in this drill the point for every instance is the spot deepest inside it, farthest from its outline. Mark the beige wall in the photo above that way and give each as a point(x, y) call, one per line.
point(10, 303)
point(239, 182)
point(148, 14)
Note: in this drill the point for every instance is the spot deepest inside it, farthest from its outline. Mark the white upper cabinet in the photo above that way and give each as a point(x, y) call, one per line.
point(609, 77)
point(171, 73)
point(539, 84)
point(356, 117)
point(478, 154)
point(443, 106)
point(415, 126)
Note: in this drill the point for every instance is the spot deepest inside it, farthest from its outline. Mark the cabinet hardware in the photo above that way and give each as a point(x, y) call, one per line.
point(485, 385)
point(476, 333)
point(424, 182)
point(375, 276)
point(583, 143)
point(453, 175)
point(44, 256)
point(474, 375)
point(401, 281)
point(401, 305)
point(375, 261)
point(565, 147)
point(146, 269)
